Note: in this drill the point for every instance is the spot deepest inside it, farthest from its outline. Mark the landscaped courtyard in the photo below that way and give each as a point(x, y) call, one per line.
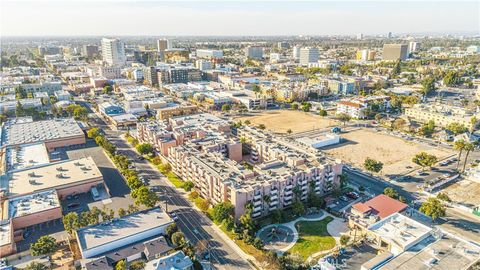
point(313, 237)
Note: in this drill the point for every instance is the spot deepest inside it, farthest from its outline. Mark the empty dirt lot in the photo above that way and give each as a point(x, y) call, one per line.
point(280, 121)
point(395, 153)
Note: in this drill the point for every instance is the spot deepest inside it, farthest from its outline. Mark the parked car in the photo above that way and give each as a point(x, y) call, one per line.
point(353, 195)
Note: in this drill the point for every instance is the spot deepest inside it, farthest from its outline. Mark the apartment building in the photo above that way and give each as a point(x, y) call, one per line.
point(282, 172)
point(209, 54)
point(442, 115)
point(356, 107)
point(113, 52)
point(308, 55)
point(254, 52)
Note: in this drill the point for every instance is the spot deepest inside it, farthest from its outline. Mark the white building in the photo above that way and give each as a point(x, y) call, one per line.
point(203, 64)
point(113, 52)
point(296, 52)
point(62, 95)
point(276, 57)
point(254, 52)
point(413, 46)
point(201, 53)
point(308, 55)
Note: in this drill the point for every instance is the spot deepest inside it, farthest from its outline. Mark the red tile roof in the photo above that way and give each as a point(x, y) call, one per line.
point(350, 104)
point(382, 206)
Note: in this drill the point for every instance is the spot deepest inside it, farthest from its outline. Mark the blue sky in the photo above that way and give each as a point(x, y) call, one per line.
point(150, 17)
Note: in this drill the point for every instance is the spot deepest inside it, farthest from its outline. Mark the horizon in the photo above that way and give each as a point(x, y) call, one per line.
point(236, 18)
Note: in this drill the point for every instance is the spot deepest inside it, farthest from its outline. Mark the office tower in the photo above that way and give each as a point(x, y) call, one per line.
point(395, 51)
point(308, 55)
point(413, 46)
point(254, 52)
point(113, 52)
point(283, 45)
point(360, 36)
point(90, 50)
point(162, 45)
point(296, 52)
point(365, 55)
point(170, 44)
point(203, 64)
point(389, 35)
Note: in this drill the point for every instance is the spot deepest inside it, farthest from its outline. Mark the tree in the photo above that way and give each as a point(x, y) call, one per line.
point(456, 128)
point(344, 239)
point(295, 106)
point(19, 111)
point(396, 68)
point(424, 159)
point(391, 192)
point(247, 122)
point(178, 239)
point(306, 106)
point(399, 123)
point(204, 205)
point(93, 133)
point(468, 147)
point(314, 200)
point(372, 165)
point(121, 212)
point(322, 112)
point(144, 148)
point(144, 196)
point(443, 197)
point(188, 185)
point(378, 117)
point(276, 216)
point(44, 245)
point(107, 89)
point(344, 118)
point(433, 208)
point(298, 208)
point(121, 265)
point(258, 243)
point(221, 211)
point(289, 131)
point(459, 146)
point(452, 79)
point(137, 265)
point(428, 129)
point(262, 126)
point(36, 266)
point(428, 86)
point(226, 107)
point(70, 222)
point(171, 229)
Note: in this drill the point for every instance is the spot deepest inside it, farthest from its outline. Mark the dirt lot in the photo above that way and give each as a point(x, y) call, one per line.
point(282, 120)
point(395, 153)
point(464, 191)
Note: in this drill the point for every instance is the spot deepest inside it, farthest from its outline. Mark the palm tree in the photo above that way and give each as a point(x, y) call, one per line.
point(468, 147)
point(459, 146)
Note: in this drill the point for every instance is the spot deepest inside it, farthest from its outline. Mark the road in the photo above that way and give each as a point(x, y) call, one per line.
point(195, 225)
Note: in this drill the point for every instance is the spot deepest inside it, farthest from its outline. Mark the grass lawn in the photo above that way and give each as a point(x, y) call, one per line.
point(249, 249)
point(174, 179)
point(313, 237)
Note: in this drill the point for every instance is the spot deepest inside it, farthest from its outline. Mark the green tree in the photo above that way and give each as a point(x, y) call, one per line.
point(121, 265)
point(262, 126)
point(295, 106)
point(428, 86)
point(456, 128)
point(143, 196)
point(459, 146)
point(44, 245)
point(433, 208)
point(322, 112)
point(70, 222)
point(344, 239)
point(93, 133)
point(314, 200)
point(372, 165)
point(444, 197)
point(396, 70)
point(428, 128)
point(423, 159)
point(221, 211)
point(297, 207)
point(178, 239)
point(391, 192)
point(226, 107)
point(19, 111)
point(258, 243)
point(80, 113)
point(171, 229)
point(276, 216)
point(188, 185)
point(107, 89)
point(452, 79)
point(306, 106)
point(137, 265)
point(468, 147)
point(36, 266)
point(344, 118)
point(144, 148)
point(121, 212)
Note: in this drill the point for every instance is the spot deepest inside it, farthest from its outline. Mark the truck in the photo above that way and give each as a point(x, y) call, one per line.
point(336, 129)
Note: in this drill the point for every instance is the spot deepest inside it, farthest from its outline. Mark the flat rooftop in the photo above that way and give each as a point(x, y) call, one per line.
point(33, 203)
point(400, 229)
point(25, 156)
point(119, 228)
point(445, 253)
point(50, 176)
point(40, 131)
point(5, 232)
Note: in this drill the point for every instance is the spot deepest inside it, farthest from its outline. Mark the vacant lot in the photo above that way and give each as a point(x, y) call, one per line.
point(465, 192)
point(282, 120)
point(313, 237)
point(395, 153)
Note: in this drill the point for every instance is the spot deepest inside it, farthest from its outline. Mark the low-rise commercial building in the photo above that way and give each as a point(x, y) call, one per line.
point(442, 115)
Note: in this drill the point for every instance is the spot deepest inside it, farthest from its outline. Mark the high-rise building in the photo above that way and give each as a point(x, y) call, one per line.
point(162, 45)
point(203, 64)
point(296, 52)
point(360, 36)
point(113, 52)
point(283, 45)
point(254, 52)
point(389, 35)
point(90, 50)
point(365, 55)
point(413, 46)
point(395, 51)
point(308, 55)
point(170, 44)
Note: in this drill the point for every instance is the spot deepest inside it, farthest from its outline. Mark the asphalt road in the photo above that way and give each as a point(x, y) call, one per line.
point(195, 225)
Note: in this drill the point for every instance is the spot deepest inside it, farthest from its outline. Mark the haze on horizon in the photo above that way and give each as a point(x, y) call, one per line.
point(232, 18)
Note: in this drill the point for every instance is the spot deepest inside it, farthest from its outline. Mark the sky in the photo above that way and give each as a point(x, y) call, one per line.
point(230, 17)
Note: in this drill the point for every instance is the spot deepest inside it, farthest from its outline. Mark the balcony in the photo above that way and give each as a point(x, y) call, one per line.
point(287, 198)
point(288, 192)
point(257, 209)
point(302, 182)
point(289, 186)
point(257, 214)
point(257, 197)
point(287, 203)
point(257, 203)
point(273, 197)
point(273, 192)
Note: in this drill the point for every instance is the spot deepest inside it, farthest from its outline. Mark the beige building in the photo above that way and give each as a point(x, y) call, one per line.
point(172, 111)
point(442, 115)
point(395, 52)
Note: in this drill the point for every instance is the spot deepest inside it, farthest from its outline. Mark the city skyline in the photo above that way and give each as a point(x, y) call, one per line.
point(236, 18)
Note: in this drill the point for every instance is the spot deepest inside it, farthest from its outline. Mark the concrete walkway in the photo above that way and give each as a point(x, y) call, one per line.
point(335, 228)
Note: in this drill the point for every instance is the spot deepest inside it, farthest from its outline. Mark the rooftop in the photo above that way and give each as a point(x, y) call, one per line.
point(40, 131)
point(177, 260)
point(50, 176)
point(119, 228)
point(382, 206)
point(400, 230)
point(25, 156)
point(33, 203)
